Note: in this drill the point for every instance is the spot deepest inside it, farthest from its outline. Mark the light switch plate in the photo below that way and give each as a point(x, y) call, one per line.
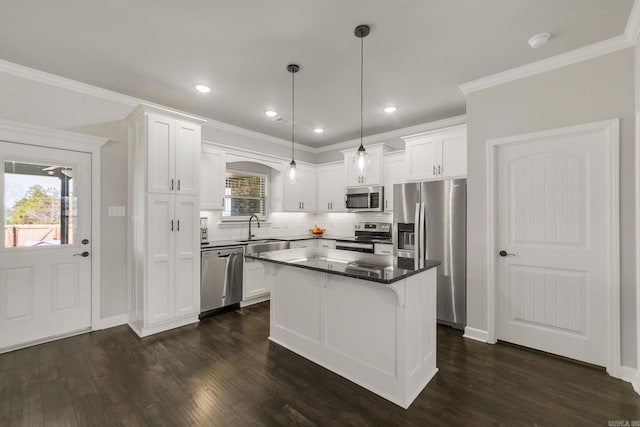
point(116, 211)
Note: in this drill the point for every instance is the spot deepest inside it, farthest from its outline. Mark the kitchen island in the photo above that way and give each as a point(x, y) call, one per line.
point(368, 318)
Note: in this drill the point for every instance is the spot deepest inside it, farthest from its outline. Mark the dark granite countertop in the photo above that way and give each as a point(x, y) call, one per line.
point(220, 243)
point(373, 268)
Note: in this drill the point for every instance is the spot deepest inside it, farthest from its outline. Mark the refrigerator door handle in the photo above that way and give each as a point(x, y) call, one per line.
point(418, 242)
point(423, 232)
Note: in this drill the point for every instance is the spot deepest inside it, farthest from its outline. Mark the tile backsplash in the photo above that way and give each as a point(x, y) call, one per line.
point(282, 224)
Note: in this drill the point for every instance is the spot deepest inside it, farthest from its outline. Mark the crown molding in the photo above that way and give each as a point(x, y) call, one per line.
point(554, 62)
point(396, 133)
point(215, 124)
point(633, 23)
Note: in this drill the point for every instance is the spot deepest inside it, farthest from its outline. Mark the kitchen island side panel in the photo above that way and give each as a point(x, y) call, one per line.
point(379, 337)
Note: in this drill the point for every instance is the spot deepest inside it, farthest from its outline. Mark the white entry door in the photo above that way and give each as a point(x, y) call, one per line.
point(553, 207)
point(45, 264)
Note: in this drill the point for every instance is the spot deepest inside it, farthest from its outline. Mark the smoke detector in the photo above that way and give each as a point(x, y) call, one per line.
point(539, 40)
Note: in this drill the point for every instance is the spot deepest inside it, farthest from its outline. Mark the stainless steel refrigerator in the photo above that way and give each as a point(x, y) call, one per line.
point(430, 222)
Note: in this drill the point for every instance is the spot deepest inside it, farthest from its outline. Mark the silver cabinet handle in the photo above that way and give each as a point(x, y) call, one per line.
point(171, 225)
point(171, 184)
point(331, 205)
point(223, 202)
point(386, 204)
point(178, 185)
point(434, 169)
point(439, 170)
point(178, 229)
point(302, 205)
point(328, 206)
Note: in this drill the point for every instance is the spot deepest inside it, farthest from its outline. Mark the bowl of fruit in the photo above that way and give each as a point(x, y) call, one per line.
point(317, 231)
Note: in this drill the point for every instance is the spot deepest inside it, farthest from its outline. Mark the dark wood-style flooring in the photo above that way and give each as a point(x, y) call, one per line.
point(224, 371)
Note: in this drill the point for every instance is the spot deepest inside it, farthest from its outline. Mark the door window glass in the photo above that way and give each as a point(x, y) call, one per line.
point(39, 204)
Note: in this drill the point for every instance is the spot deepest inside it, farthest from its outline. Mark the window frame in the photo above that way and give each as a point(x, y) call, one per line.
point(232, 219)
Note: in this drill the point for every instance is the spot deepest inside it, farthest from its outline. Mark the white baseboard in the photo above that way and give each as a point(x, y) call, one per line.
point(475, 334)
point(630, 375)
point(252, 301)
point(112, 321)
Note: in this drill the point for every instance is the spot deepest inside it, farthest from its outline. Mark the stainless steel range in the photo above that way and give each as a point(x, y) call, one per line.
point(366, 234)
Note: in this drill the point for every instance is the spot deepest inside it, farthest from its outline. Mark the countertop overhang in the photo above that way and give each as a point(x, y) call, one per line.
point(372, 268)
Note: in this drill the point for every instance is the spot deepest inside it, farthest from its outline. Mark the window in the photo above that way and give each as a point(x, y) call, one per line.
point(39, 204)
point(245, 195)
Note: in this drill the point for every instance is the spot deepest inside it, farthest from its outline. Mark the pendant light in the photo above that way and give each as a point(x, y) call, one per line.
point(361, 159)
point(292, 172)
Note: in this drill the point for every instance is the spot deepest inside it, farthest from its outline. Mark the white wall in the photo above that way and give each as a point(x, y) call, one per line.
point(593, 90)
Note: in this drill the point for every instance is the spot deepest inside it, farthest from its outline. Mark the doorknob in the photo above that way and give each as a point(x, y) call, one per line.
point(83, 254)
point(504, 253)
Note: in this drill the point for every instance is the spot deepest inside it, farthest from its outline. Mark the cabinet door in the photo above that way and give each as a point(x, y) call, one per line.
point(213, 169)
point(373, 171)
point(308, 243)
point(382, 249)
point(307, 183)
point(454, 155)
point(394, 173)
point(187, 256)
point(421, 159)
point(331, 184)
point(160, 148)
point(326, 243)
point(160, 253)
point(255, 280)
point(187, 158)
point(292, 194)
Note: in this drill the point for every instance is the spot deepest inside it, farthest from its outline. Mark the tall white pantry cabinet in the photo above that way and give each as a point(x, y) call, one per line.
point(163, 227)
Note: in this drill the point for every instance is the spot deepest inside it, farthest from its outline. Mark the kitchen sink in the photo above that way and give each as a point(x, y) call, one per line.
point(258, 240)
point(257, 246)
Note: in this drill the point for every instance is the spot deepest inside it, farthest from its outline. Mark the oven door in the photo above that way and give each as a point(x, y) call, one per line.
point(357, 201)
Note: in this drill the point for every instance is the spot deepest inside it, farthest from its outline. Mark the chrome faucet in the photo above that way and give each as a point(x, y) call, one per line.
point(258, 221)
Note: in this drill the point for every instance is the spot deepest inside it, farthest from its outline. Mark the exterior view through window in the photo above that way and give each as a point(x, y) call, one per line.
point(39, 204)
point(245, 195)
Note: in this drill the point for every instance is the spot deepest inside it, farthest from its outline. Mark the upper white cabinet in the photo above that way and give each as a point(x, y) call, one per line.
point(213, 169)
point(374, 173)
point(301, 195)
point(172, 155)
point(331, 184)
point(437, 154)
point(163, 228)
point(394, 173)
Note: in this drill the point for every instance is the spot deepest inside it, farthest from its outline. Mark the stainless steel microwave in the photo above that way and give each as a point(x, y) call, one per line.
point(365, 199)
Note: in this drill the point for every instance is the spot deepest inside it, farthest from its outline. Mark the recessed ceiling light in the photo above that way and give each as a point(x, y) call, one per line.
point(318, 130)
point(539, 40)
point(203, 88)
point(271, 113)
point(390, 109)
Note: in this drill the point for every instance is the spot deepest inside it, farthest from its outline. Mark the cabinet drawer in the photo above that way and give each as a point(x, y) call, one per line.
point(383, 249)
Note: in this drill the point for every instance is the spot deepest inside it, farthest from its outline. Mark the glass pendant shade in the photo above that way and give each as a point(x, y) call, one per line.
point(361, 161)
point(292, 173)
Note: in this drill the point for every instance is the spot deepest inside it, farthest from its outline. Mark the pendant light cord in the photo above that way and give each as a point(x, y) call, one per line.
point(361, 88)
point(293, 108)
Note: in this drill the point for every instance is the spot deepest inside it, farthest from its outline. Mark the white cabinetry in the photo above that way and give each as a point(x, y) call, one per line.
point(331, 184)
point(301, 195)
point(374, 172)
point(394, 173)
point(172, 156)
point(255, 283)
point(382, 249)
point(213, 168)
point(163, 229)
point(326, 243)
point(437, 154)
point(308, 243)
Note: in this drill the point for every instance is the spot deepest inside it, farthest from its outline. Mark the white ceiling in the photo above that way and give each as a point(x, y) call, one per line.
point(417, 54)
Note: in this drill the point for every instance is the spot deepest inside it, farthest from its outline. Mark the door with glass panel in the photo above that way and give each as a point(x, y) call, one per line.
point(45, 260)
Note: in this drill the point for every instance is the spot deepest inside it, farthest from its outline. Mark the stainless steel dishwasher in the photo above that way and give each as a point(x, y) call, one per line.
point(221, 277)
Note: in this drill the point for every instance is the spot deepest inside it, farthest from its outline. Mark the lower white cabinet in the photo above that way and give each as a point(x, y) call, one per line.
point(255, 283)
point(326, 243)
point(167, 272)
point(307, 243)
point(383, 249)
